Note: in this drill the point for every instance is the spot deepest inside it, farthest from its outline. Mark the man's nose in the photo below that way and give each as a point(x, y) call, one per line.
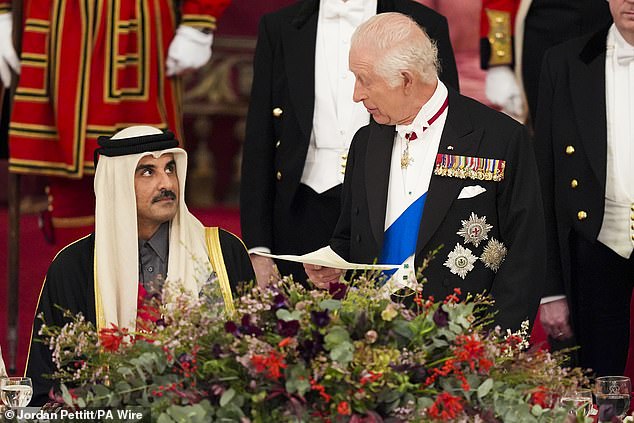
point(165, 181)
point(358, 94)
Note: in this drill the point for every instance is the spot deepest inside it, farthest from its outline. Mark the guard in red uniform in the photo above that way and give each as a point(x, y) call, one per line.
point(90, 69)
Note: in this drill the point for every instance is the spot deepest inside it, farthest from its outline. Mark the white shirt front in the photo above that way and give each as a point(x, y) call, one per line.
point(336, 117)
point(407, 185)
point(617, 229)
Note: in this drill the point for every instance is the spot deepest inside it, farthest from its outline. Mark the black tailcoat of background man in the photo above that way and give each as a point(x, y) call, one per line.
point(571, 145)
point(277, 211)
point(512, 206)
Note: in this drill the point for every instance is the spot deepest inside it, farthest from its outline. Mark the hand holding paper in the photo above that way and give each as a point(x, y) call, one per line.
point(324, 266)
point(326, 257)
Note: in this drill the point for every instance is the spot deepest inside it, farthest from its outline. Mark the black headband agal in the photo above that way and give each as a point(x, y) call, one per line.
point(134, 145)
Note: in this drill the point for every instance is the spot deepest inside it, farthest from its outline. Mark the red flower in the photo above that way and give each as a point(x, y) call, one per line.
point(321, 389)
point(344, 408)
point(145, 311)
point(371, 377)
point(270, 365)
point(284, 342)
point(539, 396)
point(453, 298)
point(471, 350)
point(111, 338)
point(446, 407)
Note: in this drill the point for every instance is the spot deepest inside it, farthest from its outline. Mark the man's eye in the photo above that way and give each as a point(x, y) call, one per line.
point(170, 169)
point(146, 172)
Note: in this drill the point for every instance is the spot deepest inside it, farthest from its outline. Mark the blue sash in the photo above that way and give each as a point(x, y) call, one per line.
point(399, 241)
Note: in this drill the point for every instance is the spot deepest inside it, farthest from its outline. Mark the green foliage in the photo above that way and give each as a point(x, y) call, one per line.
point(294, 355)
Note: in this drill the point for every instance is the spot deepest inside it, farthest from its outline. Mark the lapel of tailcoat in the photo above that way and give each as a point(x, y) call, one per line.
point(377, 171)
point(587, 90)
point(299, 60)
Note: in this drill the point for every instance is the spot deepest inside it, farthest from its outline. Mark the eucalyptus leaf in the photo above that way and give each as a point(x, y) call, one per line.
point(287, 316)
point(342, 353)
point(102, 391)
point(485, 388)
point(330, 305)
point(336, 336)
point(227, 396)
point(68, 398)
point(403, 328)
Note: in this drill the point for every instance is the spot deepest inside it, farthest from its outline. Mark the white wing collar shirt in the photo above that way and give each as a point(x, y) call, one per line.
point(617, 229)
point(409, 183)
point(336, 117)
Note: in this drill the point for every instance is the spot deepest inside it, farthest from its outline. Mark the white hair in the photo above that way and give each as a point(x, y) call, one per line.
point(401, 44)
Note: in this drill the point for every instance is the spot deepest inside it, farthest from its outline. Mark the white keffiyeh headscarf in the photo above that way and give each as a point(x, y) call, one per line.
point(116, 235)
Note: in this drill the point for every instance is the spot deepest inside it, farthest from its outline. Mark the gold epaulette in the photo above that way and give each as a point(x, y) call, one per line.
point(500, 37)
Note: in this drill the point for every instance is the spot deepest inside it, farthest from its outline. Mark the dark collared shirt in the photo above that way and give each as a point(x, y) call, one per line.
point(153, 255)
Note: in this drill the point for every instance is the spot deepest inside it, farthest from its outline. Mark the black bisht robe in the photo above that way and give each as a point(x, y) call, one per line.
point(69, 283)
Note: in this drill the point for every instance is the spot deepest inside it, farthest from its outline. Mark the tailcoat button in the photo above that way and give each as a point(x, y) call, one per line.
point(581, 215)
point(278, 175)
point(574, 183)
point(277, 112)
point(570, 150)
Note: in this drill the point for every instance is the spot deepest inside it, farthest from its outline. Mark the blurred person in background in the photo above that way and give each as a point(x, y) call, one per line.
point(515, 34)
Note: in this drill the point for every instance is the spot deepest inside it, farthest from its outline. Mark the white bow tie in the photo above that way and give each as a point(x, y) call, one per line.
point(624, 55)
point(350, 10)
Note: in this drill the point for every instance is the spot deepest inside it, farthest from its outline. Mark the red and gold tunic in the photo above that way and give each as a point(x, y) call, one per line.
point(90, 68)
point(497, 23)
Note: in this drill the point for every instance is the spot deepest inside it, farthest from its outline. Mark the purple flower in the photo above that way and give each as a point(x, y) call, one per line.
point(216, 350)
point(441, 317)
point(287, 329)
point(309, 348)
point(279, 301)
point(320, 318)
point(248, 328)
point(231, 327)
point(338, 290)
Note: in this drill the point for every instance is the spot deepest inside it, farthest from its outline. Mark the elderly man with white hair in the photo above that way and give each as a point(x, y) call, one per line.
point(436, 169)
point(144, 234)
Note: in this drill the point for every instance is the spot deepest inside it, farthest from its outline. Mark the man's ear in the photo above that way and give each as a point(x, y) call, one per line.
point(407, 81)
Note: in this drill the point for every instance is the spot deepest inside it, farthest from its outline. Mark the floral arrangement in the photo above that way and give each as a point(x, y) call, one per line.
point(349, 354)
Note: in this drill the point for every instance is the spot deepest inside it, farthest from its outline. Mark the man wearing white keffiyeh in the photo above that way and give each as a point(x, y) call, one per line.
point(143, 230)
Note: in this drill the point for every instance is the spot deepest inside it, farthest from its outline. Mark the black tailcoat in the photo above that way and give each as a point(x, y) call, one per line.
point(572, 115)
point(512, 206)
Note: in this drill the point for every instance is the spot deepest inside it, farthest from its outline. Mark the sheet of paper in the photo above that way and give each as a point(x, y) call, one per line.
point(328, 258)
